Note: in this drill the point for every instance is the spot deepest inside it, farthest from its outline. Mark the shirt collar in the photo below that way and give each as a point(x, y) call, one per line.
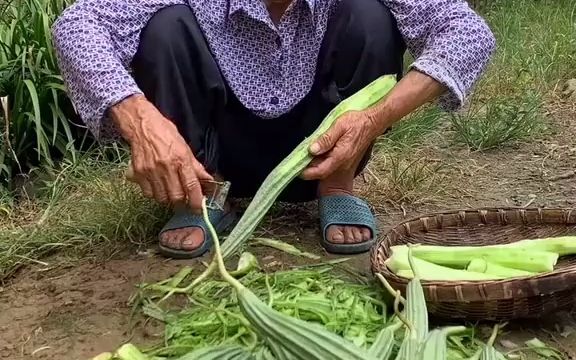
point(253, 8)
point(311, 6)
point(257, 9)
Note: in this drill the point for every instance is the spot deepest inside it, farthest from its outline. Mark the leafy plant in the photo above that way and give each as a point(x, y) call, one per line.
point(37, 119)
point(498, 123)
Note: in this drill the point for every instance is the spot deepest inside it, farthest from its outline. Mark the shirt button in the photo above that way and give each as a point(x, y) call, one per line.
point(274, 100)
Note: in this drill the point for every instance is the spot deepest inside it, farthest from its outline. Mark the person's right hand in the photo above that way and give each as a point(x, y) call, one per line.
point(162, 163)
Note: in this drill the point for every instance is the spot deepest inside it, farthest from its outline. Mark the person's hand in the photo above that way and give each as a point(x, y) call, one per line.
point(342, 147)
point(162, 163)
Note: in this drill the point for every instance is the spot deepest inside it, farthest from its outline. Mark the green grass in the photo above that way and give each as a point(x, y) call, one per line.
point(536, 43)
point(536, 54)
point(37, 115)
point(81, 208)
point(500, 122)
point(412, 130)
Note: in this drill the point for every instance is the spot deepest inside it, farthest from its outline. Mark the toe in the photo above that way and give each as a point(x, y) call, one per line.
point(349, 234)
point(357, 234)
point(193, 239)
point(335, 234)
point(366, 234)
point(170, 239)
point(183, 239)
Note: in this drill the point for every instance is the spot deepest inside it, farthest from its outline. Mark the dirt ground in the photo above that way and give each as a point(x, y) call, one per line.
point(77, 311)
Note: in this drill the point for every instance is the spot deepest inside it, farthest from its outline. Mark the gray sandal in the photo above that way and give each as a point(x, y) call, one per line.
point(346, 210)
point(183, 218)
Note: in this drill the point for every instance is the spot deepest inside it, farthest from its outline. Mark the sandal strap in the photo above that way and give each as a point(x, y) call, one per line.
point(183, 218)
point(345, 210)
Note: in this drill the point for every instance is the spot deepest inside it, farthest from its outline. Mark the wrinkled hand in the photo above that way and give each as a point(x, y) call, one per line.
point(162, 163)
point(342, 147)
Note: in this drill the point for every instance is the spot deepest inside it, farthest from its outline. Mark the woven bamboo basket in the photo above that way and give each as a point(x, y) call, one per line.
point(501, 300)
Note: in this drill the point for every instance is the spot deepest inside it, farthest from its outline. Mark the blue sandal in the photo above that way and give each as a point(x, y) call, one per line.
point(346, 210)
point(183, 218)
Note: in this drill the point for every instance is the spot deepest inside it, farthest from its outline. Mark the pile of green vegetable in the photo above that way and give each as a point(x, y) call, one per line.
point(262, 331)
point(323, 295)
point(480, 263)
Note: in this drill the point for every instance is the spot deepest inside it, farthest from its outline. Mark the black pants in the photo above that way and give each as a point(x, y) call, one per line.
point(177, 72)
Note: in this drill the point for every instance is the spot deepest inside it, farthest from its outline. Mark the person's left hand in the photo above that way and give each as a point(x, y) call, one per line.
point(342, 147)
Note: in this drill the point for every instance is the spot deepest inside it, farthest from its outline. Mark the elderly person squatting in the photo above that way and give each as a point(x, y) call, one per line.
point(225, 89)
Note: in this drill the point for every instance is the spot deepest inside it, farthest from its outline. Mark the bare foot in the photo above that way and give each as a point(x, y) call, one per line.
point(186, 239)
point(338, 234)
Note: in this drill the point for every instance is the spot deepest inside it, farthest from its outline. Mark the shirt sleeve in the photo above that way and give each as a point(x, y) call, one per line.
point(449, 42)
point(95, 41)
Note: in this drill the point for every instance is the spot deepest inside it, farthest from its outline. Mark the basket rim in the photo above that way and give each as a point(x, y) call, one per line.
point(528, 284)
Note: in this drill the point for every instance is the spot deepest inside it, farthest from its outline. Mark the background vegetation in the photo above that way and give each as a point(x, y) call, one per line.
point(38, 122)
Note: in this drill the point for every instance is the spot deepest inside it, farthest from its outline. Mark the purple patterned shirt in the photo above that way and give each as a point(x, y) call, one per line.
point(96, 40)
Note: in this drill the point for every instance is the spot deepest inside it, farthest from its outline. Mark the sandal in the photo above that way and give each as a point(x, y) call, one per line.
point(346, 210)
point(182, 218)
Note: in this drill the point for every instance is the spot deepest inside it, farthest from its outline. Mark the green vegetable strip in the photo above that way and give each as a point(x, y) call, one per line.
point(562, 245)
point(399, 264)
point(297, 161)
point(488, 267)
point(221, 352)
point(489, 352)
point(515, 257)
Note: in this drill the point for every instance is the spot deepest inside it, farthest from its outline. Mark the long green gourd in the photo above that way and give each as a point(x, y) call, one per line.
point(416, 313)
point(219, 352)
point(384, 343)
point(435, 347)
point(296, 162)
point(301, 339)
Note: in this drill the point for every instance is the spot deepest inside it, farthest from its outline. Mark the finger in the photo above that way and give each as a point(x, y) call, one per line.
point(328, 140)
point(200, 171)
point(173, 186)
point(136, 174)
point(323, 168)
point(146, 188)
point(158, 189)
point(130, 173)
point(192, 188)
point(313, 164)
point(320, 171)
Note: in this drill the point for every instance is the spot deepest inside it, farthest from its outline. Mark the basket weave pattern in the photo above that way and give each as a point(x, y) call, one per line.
point(487, 300)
